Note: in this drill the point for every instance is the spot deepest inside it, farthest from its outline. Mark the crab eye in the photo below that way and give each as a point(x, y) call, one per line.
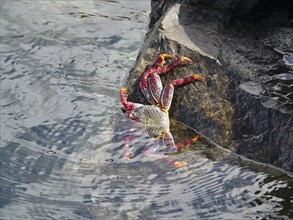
point(123, 109)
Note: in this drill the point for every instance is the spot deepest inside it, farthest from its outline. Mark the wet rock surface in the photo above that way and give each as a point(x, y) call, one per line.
point(245, 52)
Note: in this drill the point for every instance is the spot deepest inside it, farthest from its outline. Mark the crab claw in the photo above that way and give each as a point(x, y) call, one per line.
point(123, 97)
point(127, 106)
point(166, 55)
point(183, 59)
point(159, 61)
point(123, 89)
point(198, 77)
point(194, 139)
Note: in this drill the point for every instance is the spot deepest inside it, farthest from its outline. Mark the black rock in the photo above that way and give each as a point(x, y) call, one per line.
point(244, 49)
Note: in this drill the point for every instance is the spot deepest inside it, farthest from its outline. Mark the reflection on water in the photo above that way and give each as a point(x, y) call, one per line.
point(288, 60)
point(62, 65)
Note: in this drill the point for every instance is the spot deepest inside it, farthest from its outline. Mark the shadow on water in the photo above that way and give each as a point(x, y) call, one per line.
point(62, 130)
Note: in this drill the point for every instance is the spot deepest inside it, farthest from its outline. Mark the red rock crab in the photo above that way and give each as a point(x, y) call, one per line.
point(155, 117)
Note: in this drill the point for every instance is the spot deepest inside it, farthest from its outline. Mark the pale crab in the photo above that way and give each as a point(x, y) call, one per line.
point(155, 117)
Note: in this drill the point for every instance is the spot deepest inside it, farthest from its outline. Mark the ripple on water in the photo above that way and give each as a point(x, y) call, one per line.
point(59, 89)
point(285, 76)
point(288, 59)
point(212, 193)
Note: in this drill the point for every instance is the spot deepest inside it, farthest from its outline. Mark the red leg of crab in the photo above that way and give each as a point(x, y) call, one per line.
point(127, 152)
point(150, 150)
point(168, 91)
point(155, 86)
point(126, 147)
point(187, 143)
point(151, 88)
point(170, 144)
point(186, 80)
point(174, 163)
point(169, 141)
point(143, 84)
point(167, 96)
point(173, 64)
point(123, 99)
point(159, 61)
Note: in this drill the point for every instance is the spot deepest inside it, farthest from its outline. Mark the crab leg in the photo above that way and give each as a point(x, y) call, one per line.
point(151, 84)
point(169, 141)
point(151, 94)
point(123, 99)
point(172, 65)
point(152, 88)
point(155, 86)
point(170, 144)
point(168, 91)
point(187, 143)
point(159, 61)
point(126, 147)
point(150, 150)
point(127, 152)
point(151, 147)
point(143, 84)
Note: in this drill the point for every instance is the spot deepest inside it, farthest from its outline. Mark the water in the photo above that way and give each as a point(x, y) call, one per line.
point(288, 60)
point(62, 130)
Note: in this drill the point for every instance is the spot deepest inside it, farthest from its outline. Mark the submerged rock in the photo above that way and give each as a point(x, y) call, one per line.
point(244, 50)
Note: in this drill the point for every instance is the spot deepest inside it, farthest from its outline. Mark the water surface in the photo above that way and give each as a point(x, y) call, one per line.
point(62, 131)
